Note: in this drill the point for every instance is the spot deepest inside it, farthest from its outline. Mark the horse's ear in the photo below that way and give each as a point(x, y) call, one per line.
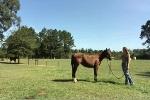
point(106, 48)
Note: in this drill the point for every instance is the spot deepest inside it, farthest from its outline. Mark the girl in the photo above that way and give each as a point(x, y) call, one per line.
point(125, 65)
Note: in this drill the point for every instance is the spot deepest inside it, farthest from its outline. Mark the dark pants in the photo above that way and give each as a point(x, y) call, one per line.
point(127, 75)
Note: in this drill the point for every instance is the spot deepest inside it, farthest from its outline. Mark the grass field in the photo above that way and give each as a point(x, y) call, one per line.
point(51, 80)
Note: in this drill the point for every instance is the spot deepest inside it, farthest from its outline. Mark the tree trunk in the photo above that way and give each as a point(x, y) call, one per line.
point(18, 60)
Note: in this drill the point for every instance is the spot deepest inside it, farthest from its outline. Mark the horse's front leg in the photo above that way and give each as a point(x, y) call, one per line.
point(74, 69)
point(95, 72)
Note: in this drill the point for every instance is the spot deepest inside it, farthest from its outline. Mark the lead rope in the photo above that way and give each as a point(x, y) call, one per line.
point(109, 65)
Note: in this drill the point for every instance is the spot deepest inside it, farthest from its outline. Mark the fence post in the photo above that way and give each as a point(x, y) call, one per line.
point(36, 62)
point(58, 64)
point(46, 63)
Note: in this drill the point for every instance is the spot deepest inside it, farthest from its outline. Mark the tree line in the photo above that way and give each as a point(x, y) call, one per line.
point(138, 53)
point(48, 43)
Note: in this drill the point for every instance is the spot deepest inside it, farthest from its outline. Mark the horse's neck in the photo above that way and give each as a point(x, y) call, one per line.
point(101, 57)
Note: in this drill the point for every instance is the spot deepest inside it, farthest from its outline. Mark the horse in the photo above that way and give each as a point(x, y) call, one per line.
point(89, 61)
point(13, 59)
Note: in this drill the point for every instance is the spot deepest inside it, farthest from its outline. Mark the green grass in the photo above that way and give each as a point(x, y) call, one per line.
point(52, 81)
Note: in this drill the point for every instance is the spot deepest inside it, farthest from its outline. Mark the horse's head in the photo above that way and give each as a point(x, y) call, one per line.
point(107, 53)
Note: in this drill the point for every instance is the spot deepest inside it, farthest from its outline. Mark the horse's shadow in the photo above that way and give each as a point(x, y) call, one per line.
point(84, 80)
point(144, 74)
point(68, 80)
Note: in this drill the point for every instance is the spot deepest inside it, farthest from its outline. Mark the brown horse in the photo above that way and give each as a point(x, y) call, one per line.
point(90, 61)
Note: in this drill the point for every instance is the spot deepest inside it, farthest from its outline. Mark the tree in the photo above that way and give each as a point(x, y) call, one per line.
point(22, 42)
point(54, 43)
point(8, 15)
point(51, 41)
point(67, 42)
point(145, 33)
point(42, 34)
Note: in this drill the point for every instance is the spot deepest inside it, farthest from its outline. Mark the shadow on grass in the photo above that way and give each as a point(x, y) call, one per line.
point(144, 74)
point(107, 81)
point(68, 80)
point(83, 80)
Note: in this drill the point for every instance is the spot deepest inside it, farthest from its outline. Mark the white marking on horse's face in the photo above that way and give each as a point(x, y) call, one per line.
point(75, 80)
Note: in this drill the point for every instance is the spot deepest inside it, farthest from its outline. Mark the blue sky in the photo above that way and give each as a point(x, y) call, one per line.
point(96, 24)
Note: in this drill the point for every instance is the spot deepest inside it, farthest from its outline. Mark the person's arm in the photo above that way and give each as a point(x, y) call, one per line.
point(128, 60)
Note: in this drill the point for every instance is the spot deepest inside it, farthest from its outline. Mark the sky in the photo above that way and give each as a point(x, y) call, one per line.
point(96, 24)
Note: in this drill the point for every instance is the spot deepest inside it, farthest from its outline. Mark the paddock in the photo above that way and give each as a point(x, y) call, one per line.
point(54, 81)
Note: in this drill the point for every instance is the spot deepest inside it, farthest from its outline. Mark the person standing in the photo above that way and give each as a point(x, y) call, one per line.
point(125, 66)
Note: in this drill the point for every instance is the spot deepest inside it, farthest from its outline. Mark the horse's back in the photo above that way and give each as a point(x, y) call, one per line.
point(85, 59)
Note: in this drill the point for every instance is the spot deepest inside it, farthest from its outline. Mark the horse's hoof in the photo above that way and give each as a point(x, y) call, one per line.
point(74, 80)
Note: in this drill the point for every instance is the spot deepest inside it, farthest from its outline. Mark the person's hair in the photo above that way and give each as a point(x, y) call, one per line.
point(126, 50)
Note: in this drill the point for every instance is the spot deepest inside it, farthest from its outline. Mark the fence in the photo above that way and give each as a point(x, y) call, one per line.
point(45, 62)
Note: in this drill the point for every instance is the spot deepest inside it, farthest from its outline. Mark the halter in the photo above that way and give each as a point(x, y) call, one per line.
point(109, 65)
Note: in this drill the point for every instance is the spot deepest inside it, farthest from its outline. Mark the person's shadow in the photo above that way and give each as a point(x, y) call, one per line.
point(145, 74)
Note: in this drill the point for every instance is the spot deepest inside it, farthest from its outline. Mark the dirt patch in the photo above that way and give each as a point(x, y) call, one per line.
point(30, 97)
point(42, 92)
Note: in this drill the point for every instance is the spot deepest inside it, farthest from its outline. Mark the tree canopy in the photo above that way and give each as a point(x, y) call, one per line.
point(21, 42)
point(8, 15)
point(145, 33)
point(54, 43)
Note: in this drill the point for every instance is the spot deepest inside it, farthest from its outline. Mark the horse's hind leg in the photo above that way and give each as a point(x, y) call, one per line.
point(74, 69)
